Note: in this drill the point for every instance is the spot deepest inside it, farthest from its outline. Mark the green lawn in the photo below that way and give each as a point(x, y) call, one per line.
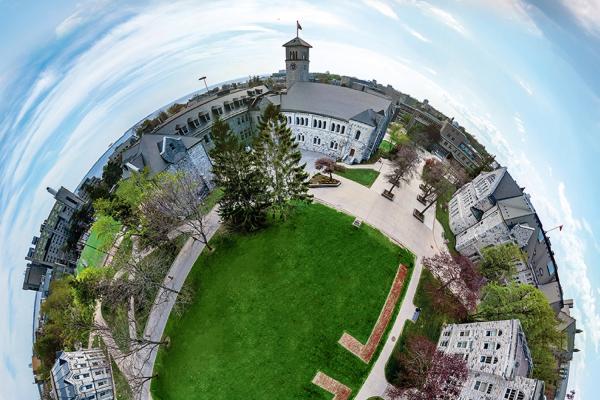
point(429, 323)
point(102, 236)
point(364, 176)
point(270, 307)
point(386, 146)
point(441, 214)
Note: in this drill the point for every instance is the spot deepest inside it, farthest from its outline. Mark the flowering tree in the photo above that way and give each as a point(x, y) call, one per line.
point(427, 373)
point(328, 166)
point(458, 274)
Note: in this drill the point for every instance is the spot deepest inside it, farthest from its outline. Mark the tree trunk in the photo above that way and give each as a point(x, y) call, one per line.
point(430, 204)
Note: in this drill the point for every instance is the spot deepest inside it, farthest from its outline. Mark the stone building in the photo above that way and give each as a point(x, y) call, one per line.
point(82, 375)
point(493, 209)
point(49, 250)
point(454, 141)
point(170, 153)
point(498, 359)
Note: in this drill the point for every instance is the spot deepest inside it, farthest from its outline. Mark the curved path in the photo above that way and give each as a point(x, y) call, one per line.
point(394, 219)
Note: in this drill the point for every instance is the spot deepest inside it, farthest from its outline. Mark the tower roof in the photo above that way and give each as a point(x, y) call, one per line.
point(297, 42)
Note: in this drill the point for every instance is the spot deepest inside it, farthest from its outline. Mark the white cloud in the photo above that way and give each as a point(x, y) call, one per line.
point(416, 34)
point(444, 17)
point(586, 13)
point(382, 8)
point(515, 10)
point(524, 85)
point(69, 24)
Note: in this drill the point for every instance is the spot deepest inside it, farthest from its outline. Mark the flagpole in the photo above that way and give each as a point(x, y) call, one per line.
point(556, 227)
point(297, 28)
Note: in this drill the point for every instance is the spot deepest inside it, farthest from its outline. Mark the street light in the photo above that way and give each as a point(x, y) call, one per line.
point(203, 78)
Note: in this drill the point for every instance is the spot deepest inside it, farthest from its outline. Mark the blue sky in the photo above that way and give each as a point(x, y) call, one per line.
point(521, 76)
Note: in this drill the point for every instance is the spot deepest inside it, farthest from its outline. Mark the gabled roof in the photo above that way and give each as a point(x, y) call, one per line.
point(297, 42)
point(146, 152)
point(332, 101)
point(515, 207)
point(368, 117)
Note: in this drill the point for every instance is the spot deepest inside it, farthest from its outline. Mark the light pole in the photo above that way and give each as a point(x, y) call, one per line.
point(203, 78)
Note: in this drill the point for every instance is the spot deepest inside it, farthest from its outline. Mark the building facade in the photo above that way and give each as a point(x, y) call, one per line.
point(82, 375)
point(49, 251)
point(498, 359)
point(492, 210)
point(455, 142)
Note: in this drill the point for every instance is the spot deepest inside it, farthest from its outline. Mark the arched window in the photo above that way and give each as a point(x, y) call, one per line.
point(314, 123)
point(301, 120)
point(297, 121)
point(319, 124)
point(324, 124)
point(357, 135)
point(337, 128)
point(343, 129)
point(332, 127)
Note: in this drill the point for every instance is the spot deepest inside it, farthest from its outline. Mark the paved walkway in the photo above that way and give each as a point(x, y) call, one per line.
point(159, 314)
point(395, 219)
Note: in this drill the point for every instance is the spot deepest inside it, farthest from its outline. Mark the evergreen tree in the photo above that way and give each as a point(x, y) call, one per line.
point(245, 201)
point(277, 158)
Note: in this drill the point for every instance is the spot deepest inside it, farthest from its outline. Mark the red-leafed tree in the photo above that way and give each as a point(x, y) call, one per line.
point(457, 274)
point(433, 177)
point(426, 373)
point(328, 166)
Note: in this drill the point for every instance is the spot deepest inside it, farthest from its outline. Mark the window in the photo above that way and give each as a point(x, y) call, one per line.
point(297, 121)
point(357, 135)
point(314, 123)
point(316, 140)
point(446, 333)
point(488, 360)
point(320, 124)
point(491, 332)
point(487, 345)
point(514, 394)
point(444, 343)
point(337, 128)
point(540, 235)
point(462, 345)
point(343, 129)
point(464, 333)
point(551, 268)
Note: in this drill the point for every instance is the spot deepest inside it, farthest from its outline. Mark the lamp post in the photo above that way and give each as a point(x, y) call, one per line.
point(203, 78)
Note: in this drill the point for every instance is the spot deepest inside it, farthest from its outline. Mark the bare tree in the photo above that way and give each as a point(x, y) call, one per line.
point(427, 373)
point(328, 166)
point(433, 172)
point(178, 204)
point(457, 274)
point(405, 164)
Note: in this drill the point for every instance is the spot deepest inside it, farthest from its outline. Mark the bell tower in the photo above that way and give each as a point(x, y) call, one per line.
point(296, 61)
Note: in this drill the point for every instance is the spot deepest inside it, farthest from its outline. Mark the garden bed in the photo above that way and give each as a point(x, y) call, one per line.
point(320, 180)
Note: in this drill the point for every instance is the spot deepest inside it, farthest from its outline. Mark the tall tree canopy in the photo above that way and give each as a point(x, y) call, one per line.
point(245, 201)
point(498, 262)
point(530, 306)
point(277, 158)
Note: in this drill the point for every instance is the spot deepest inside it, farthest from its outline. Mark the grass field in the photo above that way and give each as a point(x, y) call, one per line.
point(102, 236)
point(441, 214)
point(429, 323)
point(364, 176)
point(270, 307)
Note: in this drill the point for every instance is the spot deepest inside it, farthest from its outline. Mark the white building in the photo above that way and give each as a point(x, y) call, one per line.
point(82, 375)
point(344, 123)
point(497, 357)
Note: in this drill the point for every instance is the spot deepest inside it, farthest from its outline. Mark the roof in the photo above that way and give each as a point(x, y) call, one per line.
point(515, 207)
point(297, 42)
point(334, 101)
point(146, 153)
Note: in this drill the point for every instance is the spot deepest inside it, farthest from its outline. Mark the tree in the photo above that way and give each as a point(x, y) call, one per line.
point(457, 274)
point(277, 158)
point(405, 163)
point(498, 263)
point(328, 166)
point(245, 200)
point(529, 305)
point(427, 373)
point(433, 176)
point(177, 203)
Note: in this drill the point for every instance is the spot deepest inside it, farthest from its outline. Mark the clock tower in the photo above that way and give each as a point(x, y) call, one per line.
point(296, 61)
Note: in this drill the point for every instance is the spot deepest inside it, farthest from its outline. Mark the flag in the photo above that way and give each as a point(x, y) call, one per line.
point(560, 228)
point(298, 25)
